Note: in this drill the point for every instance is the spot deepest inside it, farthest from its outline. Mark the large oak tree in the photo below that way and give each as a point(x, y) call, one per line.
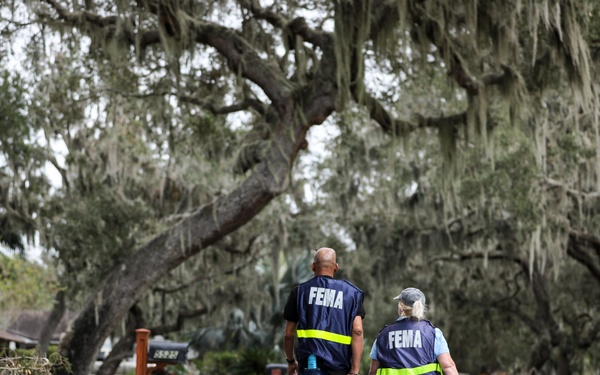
point(131, 80)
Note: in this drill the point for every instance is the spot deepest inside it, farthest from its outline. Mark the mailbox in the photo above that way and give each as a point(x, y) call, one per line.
point(167, 352)
point(159, 354)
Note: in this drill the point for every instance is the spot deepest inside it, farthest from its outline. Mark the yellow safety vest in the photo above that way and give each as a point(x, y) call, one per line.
point(411, 371)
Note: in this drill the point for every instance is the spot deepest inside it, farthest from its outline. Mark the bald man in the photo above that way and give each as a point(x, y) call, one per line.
point(326, 314)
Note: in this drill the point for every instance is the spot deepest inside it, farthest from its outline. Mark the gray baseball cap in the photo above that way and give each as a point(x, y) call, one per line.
point(410, 295)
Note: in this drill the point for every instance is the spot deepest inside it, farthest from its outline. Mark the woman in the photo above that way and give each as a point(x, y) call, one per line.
point(411, 343)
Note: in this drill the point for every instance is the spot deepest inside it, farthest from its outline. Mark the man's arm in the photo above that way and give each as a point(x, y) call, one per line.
point(447, 363)
point(357, 344)
point(288, 346)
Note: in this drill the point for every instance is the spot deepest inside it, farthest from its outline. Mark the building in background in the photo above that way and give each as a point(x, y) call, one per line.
point(24, 331)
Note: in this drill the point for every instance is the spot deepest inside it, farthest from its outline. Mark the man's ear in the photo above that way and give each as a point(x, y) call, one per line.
point(312, 266)
point(335, 268)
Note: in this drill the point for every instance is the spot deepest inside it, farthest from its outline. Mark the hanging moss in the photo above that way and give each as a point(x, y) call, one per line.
point(352, 25)
point(448, 136)
point(596, 126)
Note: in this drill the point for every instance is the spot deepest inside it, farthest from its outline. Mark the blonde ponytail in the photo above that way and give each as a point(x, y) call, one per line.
point(418, 310)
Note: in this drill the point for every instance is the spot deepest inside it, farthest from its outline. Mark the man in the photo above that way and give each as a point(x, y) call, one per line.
point(326, 314)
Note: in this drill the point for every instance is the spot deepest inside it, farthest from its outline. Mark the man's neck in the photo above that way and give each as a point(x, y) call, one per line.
point(324, 274)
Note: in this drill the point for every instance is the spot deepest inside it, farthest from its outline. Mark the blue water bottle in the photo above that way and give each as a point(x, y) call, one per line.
point(311, 368)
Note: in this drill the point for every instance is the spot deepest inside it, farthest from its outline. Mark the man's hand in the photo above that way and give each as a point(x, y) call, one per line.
point(293, 368)
point(288, 346)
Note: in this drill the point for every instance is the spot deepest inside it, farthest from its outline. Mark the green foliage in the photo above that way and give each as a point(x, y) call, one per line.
point(252, 361)
point(31, 362)
point(22, 186)
point(102, 227)
point(178, 369)
point(14, 128)
point(505, 185)
point(217, 363)
point(25, 285)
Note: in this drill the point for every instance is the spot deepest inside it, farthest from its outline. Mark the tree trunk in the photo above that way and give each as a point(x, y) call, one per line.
point(58, 311)
point(552, 335)
point(124, 347)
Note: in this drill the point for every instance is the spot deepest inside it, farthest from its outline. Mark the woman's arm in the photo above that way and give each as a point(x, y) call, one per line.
point(374, 366)
point(447, 363)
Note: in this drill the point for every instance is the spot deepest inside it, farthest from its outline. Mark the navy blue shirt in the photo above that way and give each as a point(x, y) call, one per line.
point(324, 309)
point(407, 344)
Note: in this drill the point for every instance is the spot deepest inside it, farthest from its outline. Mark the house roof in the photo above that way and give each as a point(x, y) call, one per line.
point(7, 336)
point(28, 325)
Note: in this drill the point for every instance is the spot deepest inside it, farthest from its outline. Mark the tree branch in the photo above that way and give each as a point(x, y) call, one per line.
point(297, 26)
point(573, 192)
point(245, 104)
point(507, 305)
point(178, 325)
point(204, 277)
point(63, 173)
point(232, 249)
point(580, 247)
point(241, 56)
point(76, 18)
point(480, 255)
point(395, 126)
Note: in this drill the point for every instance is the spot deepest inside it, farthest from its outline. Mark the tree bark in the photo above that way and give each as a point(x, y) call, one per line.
point(58, 311)
point(123, 348)
point(585, 249)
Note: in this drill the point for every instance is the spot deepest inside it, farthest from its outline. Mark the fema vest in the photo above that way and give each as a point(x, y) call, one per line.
point(326, 310)
point(407, 347)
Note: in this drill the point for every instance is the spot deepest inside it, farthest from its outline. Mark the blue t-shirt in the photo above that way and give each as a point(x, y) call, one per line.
point(440, 346)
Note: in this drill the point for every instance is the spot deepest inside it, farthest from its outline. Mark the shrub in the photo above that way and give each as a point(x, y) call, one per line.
point(32, 362)
point(243, 362)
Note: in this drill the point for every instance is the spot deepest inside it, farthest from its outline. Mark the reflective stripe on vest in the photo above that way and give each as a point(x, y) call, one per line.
point(323, 335)
point(411, 371)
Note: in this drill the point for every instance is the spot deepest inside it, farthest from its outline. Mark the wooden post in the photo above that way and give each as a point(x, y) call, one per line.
point(141, 351)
